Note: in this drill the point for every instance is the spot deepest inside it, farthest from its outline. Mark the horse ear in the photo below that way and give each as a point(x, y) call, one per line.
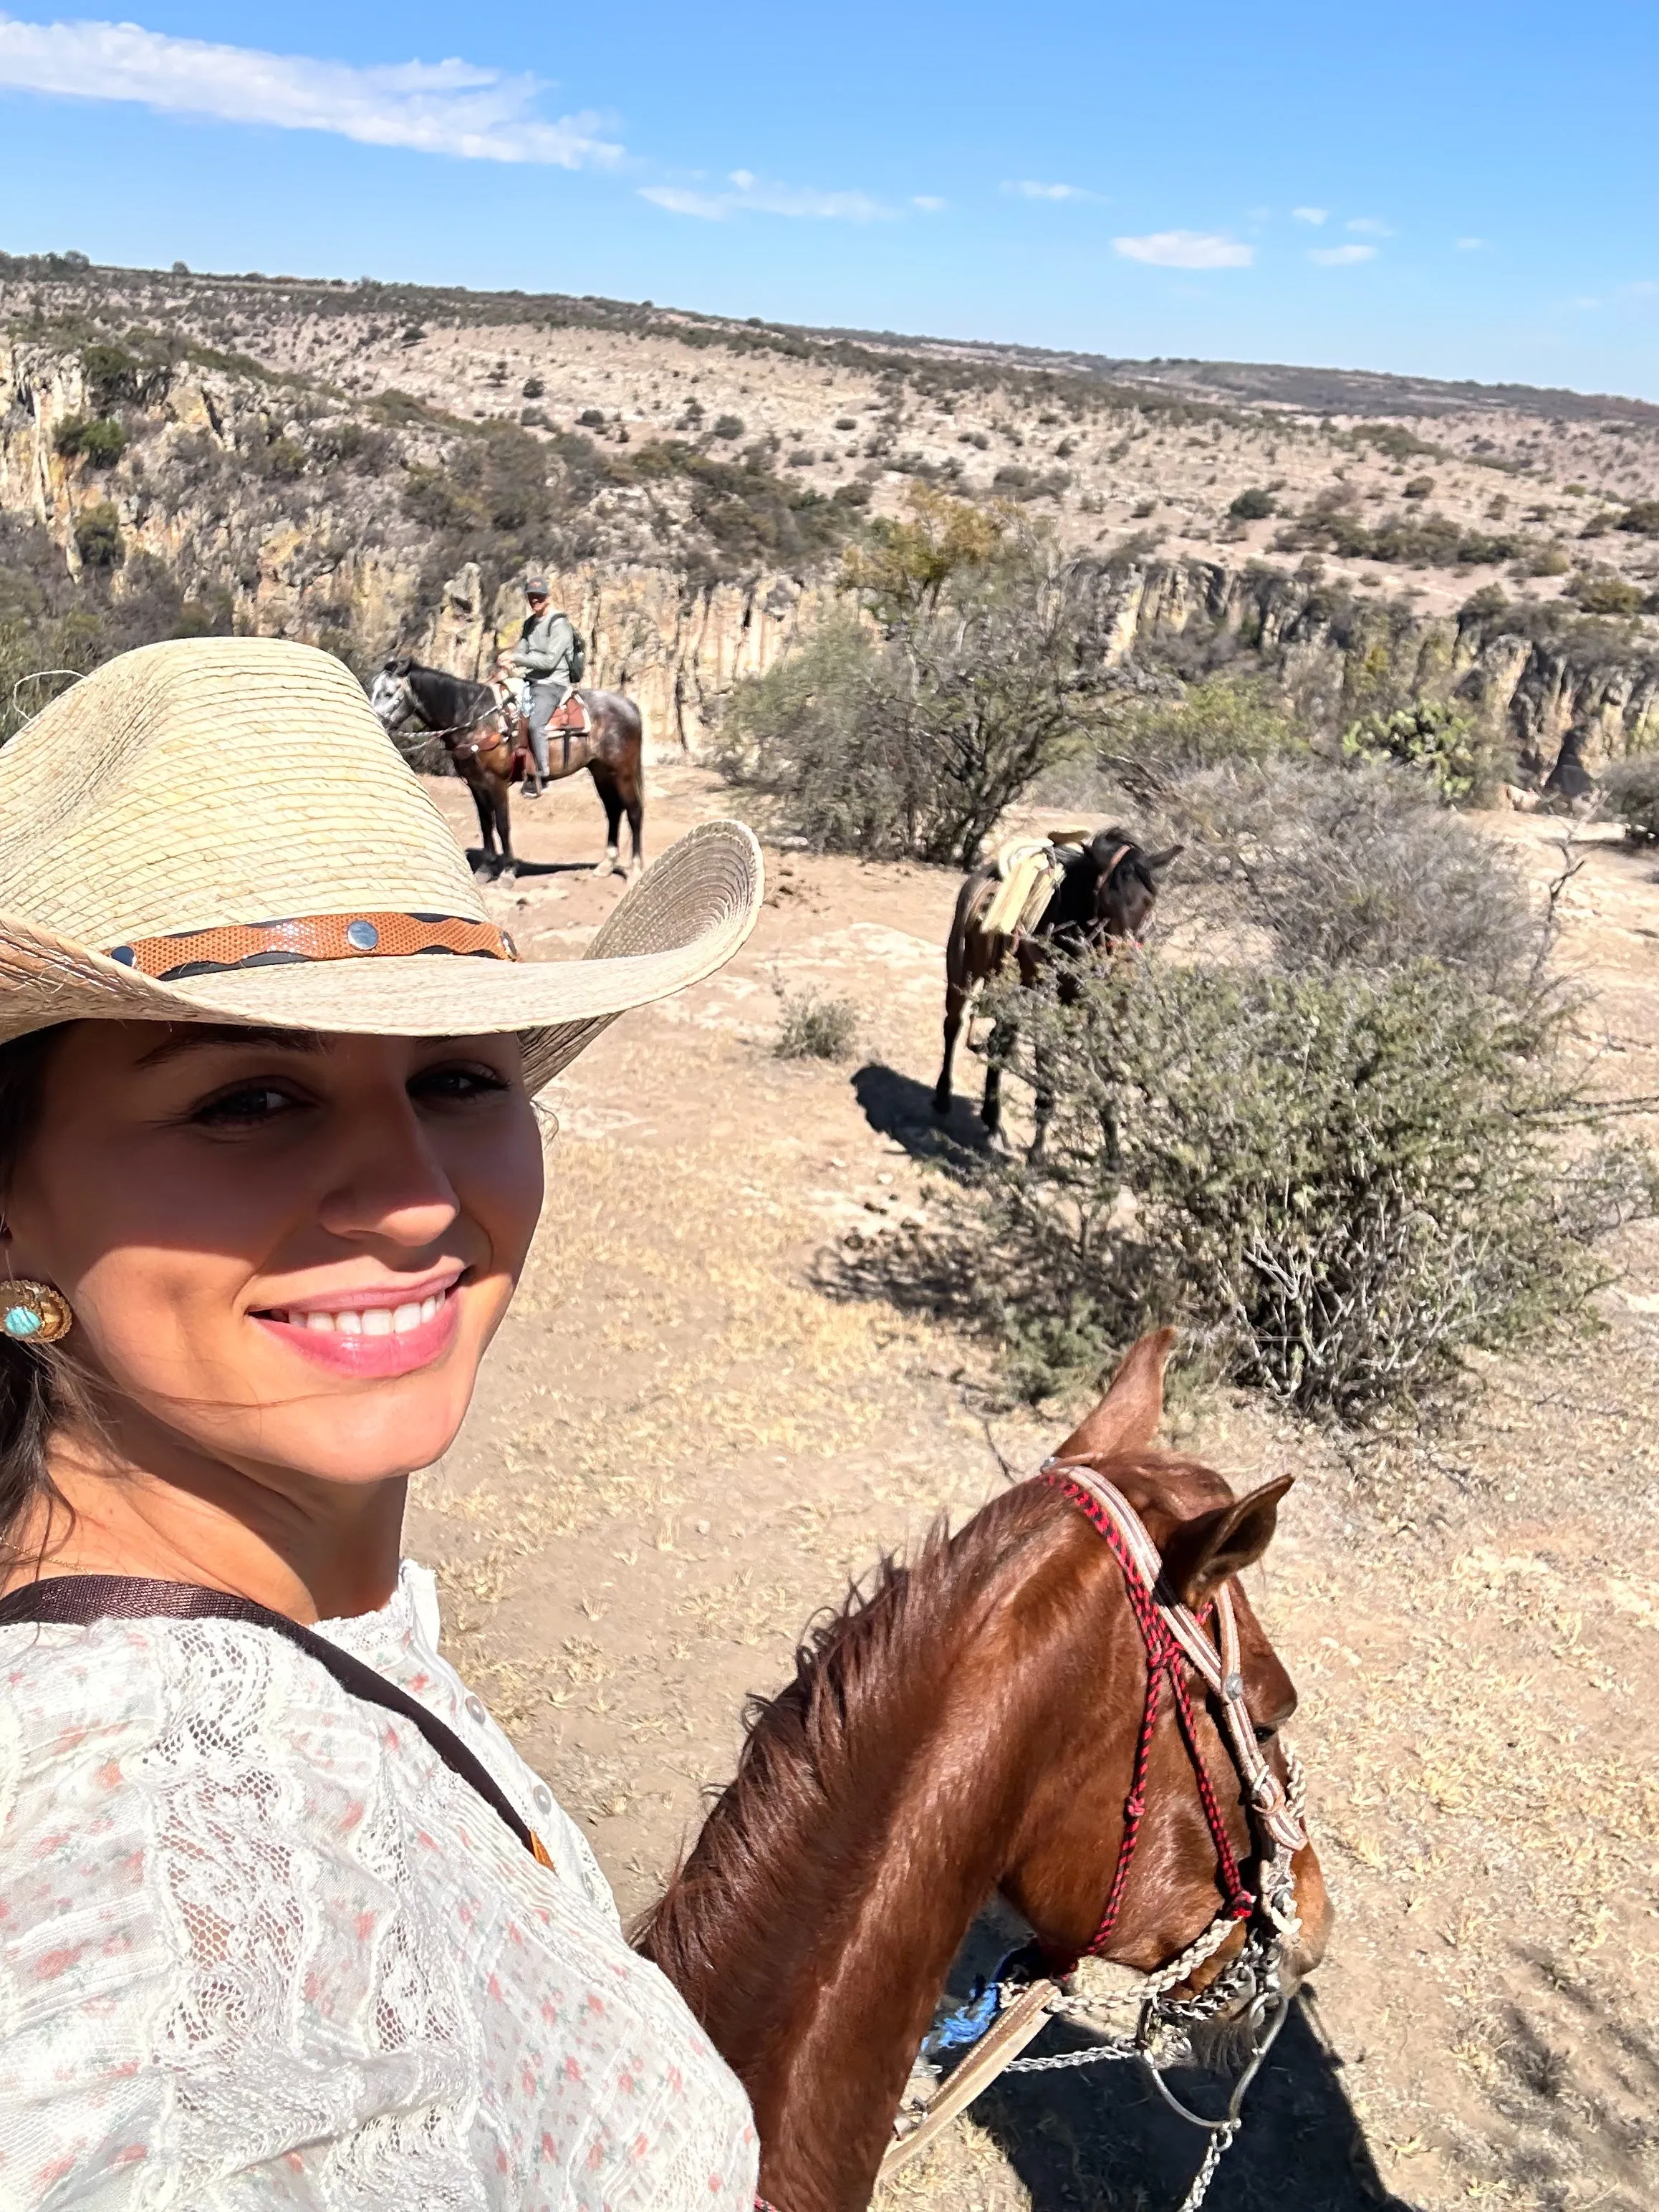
point(1199, 1553)
point(1157, 860)
point(1127, 1418)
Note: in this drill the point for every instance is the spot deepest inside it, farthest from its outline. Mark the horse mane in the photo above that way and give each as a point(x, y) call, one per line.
point(801, 1816)
point(786, 1843)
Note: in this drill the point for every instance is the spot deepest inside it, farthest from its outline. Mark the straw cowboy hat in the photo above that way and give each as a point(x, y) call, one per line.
point(219, 829)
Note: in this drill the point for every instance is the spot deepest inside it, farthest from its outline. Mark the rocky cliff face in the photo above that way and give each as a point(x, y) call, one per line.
point(1539, 674)
point(283, 506)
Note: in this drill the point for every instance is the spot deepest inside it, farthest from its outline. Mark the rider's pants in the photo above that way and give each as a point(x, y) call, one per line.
point(544, 697)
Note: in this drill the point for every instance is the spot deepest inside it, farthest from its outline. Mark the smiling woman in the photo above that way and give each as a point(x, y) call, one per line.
point(271, 1932)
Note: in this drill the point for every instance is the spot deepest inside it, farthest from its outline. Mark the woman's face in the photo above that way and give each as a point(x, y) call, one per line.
point(283, 1251)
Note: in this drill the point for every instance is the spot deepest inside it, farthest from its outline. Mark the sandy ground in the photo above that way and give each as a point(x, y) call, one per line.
point(682, 1445)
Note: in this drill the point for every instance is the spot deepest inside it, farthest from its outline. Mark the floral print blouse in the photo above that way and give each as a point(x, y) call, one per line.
point(259, 1947)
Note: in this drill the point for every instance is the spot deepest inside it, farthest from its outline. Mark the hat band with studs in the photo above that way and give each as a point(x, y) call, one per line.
point(311, 936)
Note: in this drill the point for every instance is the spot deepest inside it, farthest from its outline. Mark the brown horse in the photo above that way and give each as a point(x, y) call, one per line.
point(480, 733)
point(973, 1727)
point(1106, 897)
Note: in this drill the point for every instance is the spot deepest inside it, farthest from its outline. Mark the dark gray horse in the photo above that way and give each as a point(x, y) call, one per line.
point(479, 728)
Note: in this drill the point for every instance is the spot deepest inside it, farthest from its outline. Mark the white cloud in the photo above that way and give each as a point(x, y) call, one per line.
point(436, 107)
point(929, 204)
point(1470, 245)
point(751, 194)
point(1028, 189)
point(1186, 249)
point(1369, 227)
point(1340, 257)
point(1311, 214)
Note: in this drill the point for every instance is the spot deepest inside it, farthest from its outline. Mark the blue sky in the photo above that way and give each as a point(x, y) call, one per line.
point(1456, 190)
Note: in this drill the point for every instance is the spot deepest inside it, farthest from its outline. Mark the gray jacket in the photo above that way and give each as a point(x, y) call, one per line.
point(545, 647)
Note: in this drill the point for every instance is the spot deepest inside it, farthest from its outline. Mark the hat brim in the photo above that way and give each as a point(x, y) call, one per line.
point(686, 916)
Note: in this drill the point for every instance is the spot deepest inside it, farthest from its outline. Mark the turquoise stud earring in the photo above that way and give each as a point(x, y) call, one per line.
point(34, 1313)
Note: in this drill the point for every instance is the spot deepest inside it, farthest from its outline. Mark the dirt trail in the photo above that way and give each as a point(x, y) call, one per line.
point(681, 1448)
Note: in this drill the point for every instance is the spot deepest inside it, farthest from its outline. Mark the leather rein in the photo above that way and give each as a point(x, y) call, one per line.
point(1250, 1982)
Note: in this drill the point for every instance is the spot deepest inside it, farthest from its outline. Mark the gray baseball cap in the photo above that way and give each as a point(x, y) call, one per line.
point(535, 587)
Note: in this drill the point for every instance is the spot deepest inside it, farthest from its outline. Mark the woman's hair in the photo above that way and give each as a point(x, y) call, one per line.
point(35, 1383)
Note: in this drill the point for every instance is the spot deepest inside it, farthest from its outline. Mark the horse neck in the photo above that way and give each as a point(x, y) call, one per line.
point(444, 701)
point(815, 1923)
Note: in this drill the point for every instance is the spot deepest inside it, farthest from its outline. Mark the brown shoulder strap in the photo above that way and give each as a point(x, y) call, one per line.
point(80, 1599)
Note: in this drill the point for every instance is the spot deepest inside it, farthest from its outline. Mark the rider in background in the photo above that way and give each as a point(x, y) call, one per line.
point(543, 654)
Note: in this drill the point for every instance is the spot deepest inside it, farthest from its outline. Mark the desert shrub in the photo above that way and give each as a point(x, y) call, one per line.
point(814, 1028)
point(1417, 488)
point(1363, 869)
point(534, 388)
point(918, 741)
point(1151, 743)
point(1606, 595)
point(727, 426)
point(98, 439)
point(1642, 517)
point(1340, 1181)
point(1632, 790)
point(366, 451)
point(111, 375)
point(98, 536)
point(283, 459)
point(1431, 738)
point(1253, 504)
point(591, 418)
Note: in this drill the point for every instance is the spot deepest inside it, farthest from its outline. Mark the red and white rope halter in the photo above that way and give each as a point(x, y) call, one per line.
point(1174, 1639)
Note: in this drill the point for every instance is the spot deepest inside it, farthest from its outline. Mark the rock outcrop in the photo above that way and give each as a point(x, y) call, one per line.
point(225, 481)
point(1540, 676)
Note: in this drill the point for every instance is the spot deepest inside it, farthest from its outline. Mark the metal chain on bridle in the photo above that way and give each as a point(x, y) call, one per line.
point(1249, 1985)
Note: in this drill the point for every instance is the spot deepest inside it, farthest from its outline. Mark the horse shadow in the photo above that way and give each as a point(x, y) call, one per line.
point(899, 1108)
point(494, 865)
point(1100, 2138)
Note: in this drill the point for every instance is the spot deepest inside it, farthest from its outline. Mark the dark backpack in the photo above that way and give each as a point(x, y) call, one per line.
point(578, 654)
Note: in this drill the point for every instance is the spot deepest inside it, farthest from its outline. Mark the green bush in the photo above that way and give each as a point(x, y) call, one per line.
point(1417, 488)
point(98, 536)
point(728, 426)
point(111, 374)
point(1255, 504)
point(1220, 718)
point(813, 1028)
point(1642, 516)
point(1339, 1182)
point(97, 440)
point(1434, 741)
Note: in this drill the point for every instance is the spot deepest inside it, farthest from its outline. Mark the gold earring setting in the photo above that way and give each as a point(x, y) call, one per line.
point(34, 1313)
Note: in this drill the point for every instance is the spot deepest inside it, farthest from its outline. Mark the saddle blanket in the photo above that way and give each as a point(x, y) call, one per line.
point(1029, 871)
point(570, 714)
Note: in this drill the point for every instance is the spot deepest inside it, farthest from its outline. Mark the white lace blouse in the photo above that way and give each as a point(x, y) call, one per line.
point(259, 1947)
